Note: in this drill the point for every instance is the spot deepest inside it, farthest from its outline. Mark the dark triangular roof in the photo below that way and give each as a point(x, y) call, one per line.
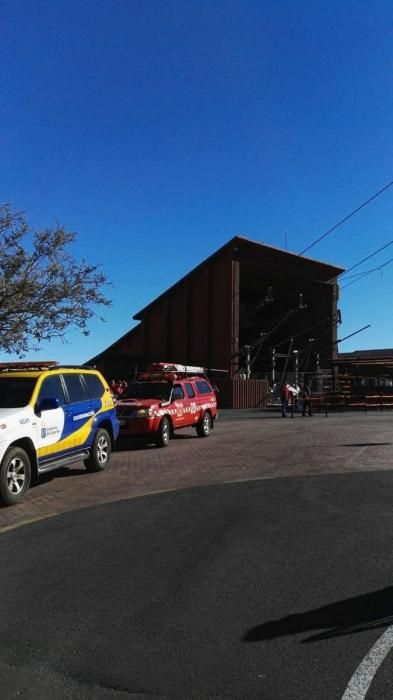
point(323, 271)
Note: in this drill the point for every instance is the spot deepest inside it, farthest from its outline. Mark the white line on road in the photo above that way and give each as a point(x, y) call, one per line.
point(362, 678)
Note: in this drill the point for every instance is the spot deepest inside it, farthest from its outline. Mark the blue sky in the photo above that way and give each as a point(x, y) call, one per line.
point(157, 130)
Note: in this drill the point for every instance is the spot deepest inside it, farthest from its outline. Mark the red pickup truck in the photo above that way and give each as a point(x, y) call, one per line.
point(165, 398)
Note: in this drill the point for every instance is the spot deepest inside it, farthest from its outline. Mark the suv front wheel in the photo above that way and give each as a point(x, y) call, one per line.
point(100, 452)
point(163, 433)
point(204, 426)
point(15, 475)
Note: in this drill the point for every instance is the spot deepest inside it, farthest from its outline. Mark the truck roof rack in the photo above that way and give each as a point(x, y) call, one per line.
point(169, 371)
point(186, 370)
point(156, 367)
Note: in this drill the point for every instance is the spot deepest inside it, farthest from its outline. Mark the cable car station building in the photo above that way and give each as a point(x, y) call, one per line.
point(258, 312)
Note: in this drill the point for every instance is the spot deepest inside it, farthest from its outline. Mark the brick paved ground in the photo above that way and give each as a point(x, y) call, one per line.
point(244, 445)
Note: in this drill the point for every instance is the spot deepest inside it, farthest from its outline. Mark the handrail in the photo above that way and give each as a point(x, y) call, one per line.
point(350, 402)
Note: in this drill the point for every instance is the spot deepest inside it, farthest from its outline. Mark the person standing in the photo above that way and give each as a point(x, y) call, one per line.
point(306, 396)
point(121, 388)
point(296, 396)
point(284, 396)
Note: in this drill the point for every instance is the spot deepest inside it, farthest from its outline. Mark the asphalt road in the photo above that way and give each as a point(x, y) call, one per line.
point(272, 589)
point(277, 587)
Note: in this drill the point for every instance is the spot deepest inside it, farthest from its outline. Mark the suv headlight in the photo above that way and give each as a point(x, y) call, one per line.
point(144, 413)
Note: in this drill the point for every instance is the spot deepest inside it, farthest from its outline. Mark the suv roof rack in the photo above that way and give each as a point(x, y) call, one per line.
point(20, 366)
point(39, 365)
point(61, 366)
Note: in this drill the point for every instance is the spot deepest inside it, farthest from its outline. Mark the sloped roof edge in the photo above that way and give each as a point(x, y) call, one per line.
point(376, 353)
point(334, 270)
point(113, 345)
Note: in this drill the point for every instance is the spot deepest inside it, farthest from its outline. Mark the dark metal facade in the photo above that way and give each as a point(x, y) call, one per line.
point(243, 294)
point(240, 393)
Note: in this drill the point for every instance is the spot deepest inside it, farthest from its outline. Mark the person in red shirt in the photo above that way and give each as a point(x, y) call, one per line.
point(121, 388)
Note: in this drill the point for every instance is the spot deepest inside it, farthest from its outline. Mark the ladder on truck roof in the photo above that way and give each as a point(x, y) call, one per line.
point(170, 370)
point(172, 367)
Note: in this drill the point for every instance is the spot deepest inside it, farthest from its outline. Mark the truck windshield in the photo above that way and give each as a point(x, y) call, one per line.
point(16, 392)
point(148, 390)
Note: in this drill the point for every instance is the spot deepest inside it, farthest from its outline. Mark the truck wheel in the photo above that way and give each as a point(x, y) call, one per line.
point(204, 426)
point(15, 475)
point(163, 433)
point(100, 452)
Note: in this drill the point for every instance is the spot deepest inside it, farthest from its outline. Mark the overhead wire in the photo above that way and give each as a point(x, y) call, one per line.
point(260, 344)
point(340, 340)
point(345, 272)
point(368, 272)
point(346, 218)
point(359, 275)
point(303, 331)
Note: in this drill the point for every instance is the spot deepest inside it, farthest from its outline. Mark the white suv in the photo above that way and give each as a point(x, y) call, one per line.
point(51, 416)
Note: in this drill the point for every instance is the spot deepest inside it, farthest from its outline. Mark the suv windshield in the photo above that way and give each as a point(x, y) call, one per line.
point(148, 390)
point(16, 392)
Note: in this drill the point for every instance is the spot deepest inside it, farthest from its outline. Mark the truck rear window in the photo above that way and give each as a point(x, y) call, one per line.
point(148, 390)
point(203, 387)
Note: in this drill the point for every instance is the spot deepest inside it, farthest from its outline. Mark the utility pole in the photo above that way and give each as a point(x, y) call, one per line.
point(287, 356)
point(296, 356)
point(247, 348)
point(273, 366)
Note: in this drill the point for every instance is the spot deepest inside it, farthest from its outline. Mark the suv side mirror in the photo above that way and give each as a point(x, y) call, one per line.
point(48, 405)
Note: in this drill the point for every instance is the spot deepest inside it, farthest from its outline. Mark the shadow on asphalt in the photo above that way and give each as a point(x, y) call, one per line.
point(228, 415)
point(368, 611)
point(260, 416)
point(124, 444)
point(363, 444)
point(60, 473)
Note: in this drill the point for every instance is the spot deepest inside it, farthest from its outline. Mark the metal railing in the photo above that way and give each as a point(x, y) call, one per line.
point(336, 402)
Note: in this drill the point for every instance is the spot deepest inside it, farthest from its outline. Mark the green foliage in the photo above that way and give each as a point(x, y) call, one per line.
point(44, 290)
